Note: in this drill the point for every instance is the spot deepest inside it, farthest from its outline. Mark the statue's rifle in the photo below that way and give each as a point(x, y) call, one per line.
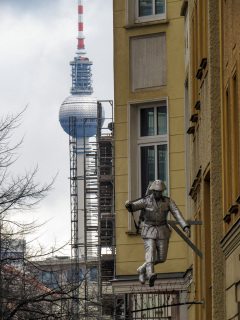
point(141, 218)
point(137, 226)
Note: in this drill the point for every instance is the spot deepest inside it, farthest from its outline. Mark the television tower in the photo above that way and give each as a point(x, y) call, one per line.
point(78, 118)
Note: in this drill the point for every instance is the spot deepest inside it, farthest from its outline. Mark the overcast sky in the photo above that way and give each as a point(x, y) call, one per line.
point(37, 42)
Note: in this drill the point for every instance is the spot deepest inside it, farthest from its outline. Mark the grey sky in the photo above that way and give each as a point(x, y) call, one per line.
point(38, 40)
point(27, 5)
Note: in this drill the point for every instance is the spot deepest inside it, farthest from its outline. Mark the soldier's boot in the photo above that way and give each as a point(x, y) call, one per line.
point(142, 273)
point(150, 273)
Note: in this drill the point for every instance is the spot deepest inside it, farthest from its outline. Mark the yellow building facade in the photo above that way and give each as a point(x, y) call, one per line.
point(149, 76)
point(205, 157)
point(230, 103)
point(213, 85)
point(184, 61)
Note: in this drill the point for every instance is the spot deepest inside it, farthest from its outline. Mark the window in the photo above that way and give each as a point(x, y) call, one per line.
point(153, 121)
point(153, 165)
point(149, 10)
point(231, 150)
point(93, 274)
point(152, 144)
point(50, 278)
point(138, 11)
point(227, 147)
point(235, 137)
point(151, 7)
point(74, 275)
point(148, 139)
point(198, 268)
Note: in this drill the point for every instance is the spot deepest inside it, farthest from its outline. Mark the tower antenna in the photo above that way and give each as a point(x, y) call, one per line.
point(81, 45)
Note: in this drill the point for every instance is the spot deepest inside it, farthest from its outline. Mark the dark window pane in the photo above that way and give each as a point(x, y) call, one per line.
point(147, 122)
point(50, 278)
point(162, 156)
point(93, 275)
point(147, 167)
point(159, 6)
point(145, 8)
point(74, 275)
point(46, 277)
point(162, 120)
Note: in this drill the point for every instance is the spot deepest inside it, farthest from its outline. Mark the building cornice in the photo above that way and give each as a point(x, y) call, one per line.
point(164, 282)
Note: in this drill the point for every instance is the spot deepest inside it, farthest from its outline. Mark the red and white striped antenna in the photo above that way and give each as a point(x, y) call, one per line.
point(81, 45)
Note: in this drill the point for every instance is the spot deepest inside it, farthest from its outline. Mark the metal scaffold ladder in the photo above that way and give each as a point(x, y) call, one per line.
point(91, 251)
point(74, 216)
point(99, 217)
point(106, 210)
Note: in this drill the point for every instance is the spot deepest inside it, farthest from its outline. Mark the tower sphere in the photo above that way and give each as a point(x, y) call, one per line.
point(82, 107)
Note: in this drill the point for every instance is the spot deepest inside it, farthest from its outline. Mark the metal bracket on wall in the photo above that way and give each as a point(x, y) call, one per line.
point(173, 224)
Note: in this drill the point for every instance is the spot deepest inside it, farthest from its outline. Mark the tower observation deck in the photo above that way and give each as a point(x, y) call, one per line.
point(81, 76)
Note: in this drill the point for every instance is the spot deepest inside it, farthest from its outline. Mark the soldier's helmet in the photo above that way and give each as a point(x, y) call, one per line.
point(158, 185)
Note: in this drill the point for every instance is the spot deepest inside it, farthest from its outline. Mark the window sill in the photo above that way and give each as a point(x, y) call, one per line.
point(227, 218)
point(203, 63)
point(132, 233)
point(145, 24)
point(191, 130)
point(199, 73)
point(197, 105)
point(202, 67)
point(152, 139)
point(148, 88)
point(194, 118)
point(233, 209)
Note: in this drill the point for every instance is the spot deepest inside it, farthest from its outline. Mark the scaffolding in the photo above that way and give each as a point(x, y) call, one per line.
point(99, 215)
point(106, 212)
point(91, 250)
point(74, 214)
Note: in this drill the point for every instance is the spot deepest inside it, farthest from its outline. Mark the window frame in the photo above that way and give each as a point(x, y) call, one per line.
point(133, 137)
point(149, 18)
point(155, 145)
point(155, 140)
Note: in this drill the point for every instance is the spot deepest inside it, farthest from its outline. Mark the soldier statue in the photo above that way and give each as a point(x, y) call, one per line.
point(155, 230)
